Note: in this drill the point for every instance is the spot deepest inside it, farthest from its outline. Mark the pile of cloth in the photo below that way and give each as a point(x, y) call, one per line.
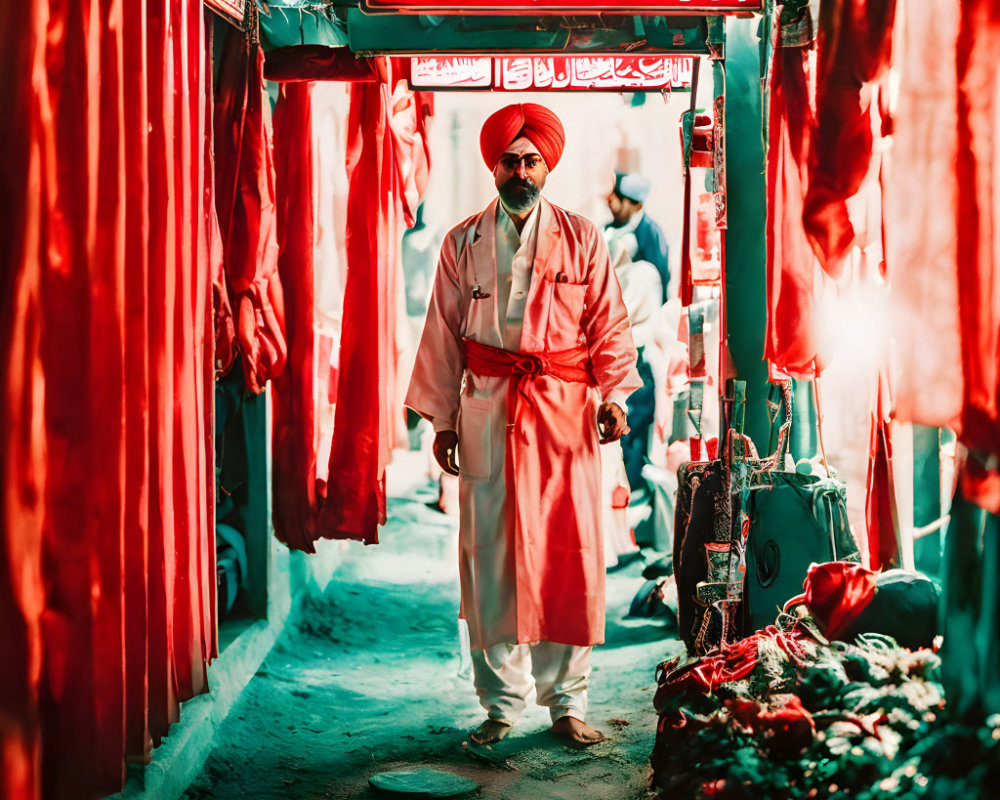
point(787, 714)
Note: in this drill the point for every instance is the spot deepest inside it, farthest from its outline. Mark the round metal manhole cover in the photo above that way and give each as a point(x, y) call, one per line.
point(422, 783)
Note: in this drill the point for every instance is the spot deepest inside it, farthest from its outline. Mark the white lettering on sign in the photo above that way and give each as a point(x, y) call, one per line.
point(448, 72)
point(552, 73)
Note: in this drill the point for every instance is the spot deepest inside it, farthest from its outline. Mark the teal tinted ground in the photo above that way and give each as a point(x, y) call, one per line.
point(365, 679)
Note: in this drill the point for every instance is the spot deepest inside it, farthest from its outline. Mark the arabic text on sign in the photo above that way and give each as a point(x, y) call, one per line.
point(524, 73)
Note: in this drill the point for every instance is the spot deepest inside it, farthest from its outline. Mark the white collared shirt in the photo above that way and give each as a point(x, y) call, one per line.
point(515, 253)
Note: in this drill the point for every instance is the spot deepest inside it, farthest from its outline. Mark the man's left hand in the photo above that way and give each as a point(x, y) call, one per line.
point(611, 424)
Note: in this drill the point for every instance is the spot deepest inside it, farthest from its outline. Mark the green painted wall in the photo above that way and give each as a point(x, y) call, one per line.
point(746, 314)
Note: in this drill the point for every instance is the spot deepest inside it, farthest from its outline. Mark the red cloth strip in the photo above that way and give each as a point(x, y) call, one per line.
point(314, 62)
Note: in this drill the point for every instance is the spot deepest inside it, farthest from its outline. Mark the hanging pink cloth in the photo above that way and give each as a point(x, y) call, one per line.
point(790, 343)
point(921, 226)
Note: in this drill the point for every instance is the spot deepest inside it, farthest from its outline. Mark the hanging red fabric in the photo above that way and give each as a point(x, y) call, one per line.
point(355, 501)
point(22, 395)
point(314, 62)
point(790, 343)
point(880, 496)
point(686, 289)
point(387, 164)
point(106, 553)
point(244, 175)
point(977, 53)
point(854, 47)
point(294, 431)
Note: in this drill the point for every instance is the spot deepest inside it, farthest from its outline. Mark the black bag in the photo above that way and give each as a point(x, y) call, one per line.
point(700, 518)
point(706, 563)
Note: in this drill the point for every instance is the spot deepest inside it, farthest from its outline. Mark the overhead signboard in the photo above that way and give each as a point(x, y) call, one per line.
point(563, 6)
point(552, 73)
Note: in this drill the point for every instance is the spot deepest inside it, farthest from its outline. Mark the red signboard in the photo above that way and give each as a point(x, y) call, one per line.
point(562, 6)
point(552, 73)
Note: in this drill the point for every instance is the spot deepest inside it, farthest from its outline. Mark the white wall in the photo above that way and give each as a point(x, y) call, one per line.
point(603, 133)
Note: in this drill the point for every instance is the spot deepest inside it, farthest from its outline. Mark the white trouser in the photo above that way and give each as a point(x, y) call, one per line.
point(505, 674)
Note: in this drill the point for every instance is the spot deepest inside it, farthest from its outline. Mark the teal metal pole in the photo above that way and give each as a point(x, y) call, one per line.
point(746, 300)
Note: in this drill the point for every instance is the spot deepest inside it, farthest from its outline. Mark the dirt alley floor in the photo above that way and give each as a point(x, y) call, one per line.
point(365, 678)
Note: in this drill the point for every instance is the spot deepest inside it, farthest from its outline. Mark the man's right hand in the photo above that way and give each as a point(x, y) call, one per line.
point(446, 451)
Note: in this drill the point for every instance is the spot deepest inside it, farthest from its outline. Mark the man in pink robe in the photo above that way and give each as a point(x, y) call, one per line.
point(524, 364)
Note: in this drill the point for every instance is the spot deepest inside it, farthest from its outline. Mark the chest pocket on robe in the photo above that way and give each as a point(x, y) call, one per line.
point(565, 310)
point(475, 438)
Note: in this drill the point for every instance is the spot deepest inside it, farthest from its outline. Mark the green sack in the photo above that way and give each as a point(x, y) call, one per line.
point(795, 520)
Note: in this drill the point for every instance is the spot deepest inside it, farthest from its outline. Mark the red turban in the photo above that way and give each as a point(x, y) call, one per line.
point(512, 122)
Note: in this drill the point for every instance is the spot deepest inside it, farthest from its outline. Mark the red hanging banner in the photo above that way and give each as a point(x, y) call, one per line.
point(562, 6)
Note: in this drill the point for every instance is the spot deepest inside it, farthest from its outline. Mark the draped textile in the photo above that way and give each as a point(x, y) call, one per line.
point(789, 343)
point(387, 166)
point(920, 223)
point(314, 62)
point(854, 49)
point(22, 397)
point(294, 434)
point(355, 501)
point(978, 253)
point(942, 243)
point(106, 553)
point(880, 495)
point(244, 175)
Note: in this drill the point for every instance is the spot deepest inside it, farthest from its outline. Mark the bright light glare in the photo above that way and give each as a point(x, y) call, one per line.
point(853, 324)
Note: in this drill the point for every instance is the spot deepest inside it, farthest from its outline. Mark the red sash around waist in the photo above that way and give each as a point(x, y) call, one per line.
point(571, 365)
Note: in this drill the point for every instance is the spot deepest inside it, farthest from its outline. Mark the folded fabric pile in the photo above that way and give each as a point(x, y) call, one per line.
point(787, 714)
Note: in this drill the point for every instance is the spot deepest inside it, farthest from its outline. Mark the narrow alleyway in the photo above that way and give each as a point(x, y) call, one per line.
point(366, 679)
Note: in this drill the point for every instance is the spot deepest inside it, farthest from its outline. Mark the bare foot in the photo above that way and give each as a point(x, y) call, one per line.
point(490, 732)
point(576, 732)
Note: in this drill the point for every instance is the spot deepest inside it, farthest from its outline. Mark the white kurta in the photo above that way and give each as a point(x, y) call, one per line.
point(483, 504)
point(531, 566)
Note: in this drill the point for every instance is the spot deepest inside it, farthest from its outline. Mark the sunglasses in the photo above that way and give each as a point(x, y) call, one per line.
point(509, 162)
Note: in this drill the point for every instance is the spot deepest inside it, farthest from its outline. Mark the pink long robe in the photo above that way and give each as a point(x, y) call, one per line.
point(531, 559)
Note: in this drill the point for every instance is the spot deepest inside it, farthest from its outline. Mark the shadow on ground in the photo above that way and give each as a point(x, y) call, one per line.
point(365, 678)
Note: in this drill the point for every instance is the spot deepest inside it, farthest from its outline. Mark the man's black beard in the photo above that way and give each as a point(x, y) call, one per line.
point(519, 194)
